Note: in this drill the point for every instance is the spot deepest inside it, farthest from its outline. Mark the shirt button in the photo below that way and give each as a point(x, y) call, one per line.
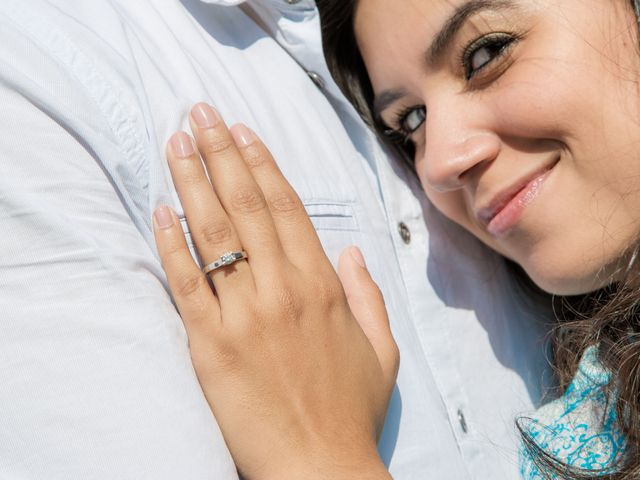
point(404, 232)
point(315, 78)
point(292, 2)
point(463, 421)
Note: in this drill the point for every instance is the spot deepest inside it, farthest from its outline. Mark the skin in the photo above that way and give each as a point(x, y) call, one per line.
point(562, 97)
point(282, 333)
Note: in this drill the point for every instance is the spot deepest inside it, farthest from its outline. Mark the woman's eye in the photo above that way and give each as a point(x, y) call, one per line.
point(481, 57)
point(483, 51)
point(406, 123)
point(413, 119)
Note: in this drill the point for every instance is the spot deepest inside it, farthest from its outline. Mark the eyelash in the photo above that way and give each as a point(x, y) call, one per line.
point(502, 40)
point(401, 136)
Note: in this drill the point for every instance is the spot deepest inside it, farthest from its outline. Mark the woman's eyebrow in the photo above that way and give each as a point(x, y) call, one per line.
point(457, 19)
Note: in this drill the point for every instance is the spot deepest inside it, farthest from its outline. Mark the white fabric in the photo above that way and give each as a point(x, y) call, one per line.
point(95, 377)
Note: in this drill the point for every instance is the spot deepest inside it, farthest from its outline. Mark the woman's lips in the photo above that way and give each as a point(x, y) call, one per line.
point(505, 213)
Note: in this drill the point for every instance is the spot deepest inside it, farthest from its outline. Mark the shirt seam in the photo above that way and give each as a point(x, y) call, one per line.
point(94, 84)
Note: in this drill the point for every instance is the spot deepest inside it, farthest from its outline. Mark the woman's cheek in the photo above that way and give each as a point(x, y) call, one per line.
point(452, 205)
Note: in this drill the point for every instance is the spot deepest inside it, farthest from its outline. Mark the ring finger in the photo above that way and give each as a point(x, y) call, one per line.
point(210, 226)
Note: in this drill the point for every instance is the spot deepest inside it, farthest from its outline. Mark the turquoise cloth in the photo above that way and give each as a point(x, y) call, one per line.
point(578, 428)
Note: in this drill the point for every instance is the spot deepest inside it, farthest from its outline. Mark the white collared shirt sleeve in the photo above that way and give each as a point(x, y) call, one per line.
point(95, 376)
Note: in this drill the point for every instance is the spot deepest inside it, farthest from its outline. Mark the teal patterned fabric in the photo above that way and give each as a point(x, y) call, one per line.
point(578, 428)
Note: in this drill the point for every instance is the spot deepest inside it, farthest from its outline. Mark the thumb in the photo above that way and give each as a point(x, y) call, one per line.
point(367, 305)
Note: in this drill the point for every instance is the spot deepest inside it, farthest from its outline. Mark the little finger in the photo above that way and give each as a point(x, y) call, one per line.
point(196, 302)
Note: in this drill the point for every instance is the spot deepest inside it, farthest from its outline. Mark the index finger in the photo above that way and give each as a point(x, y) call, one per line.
point(297, 234)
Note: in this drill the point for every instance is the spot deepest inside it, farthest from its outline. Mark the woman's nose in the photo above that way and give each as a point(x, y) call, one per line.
point(457, 145)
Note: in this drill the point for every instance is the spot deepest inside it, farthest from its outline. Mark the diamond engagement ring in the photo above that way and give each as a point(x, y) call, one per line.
point(225, 260)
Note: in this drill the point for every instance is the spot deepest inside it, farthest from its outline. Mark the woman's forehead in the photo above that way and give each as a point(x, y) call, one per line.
point(438, 20)
point(418, 31)
point(435, 12)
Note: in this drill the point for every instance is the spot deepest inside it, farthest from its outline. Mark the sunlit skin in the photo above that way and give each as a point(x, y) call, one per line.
point(535, 94)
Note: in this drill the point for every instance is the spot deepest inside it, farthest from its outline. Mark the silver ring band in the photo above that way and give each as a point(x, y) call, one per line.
point(225, 260)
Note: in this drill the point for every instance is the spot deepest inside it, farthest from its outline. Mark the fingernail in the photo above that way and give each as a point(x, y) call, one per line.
point(242, 135)
point(204, 115)
point(356, 254)
point(163, 216)
point(182, 145)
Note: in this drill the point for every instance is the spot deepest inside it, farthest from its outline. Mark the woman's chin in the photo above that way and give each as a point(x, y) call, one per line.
point(554, 279)
point(573, 264)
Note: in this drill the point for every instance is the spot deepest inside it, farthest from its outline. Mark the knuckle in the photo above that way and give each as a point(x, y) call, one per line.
point(284, 203)
point(328, 285)
point(396, 352)
point(328, 291)
point(210, 361)
point(395, 356)
point(253, 156)
point(173, 252)
point(189, 170)
point(188, 285)
point(216, 233)
point(226, 357)
point(217, 144)
point(377, 294)
point(247, 200)
point(284, 305)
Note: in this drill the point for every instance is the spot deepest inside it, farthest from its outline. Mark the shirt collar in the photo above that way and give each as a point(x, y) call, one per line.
point(299, 4)
point(226, 3)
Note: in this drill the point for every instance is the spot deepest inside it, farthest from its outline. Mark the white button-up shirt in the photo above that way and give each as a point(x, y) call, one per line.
point(95, 375)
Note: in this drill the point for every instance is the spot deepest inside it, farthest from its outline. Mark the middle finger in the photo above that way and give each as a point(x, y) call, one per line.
point(239, 194)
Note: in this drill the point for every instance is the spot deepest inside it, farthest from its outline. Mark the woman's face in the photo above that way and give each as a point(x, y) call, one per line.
point(524, 118)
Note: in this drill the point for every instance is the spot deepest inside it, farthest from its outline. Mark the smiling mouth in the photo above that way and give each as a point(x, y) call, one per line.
point(505, 210)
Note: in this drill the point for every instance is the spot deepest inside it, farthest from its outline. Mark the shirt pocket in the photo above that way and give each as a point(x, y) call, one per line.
point(336, 225)
point(331, 215)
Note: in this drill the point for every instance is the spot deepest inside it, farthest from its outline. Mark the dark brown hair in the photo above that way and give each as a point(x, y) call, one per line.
point(608, 318)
